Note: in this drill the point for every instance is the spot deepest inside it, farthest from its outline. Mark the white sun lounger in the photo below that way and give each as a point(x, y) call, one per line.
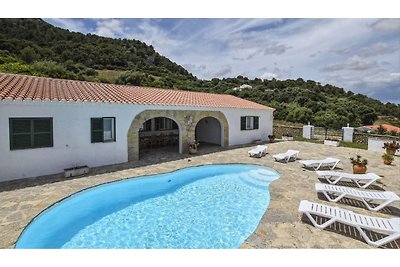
point(366, 197)
point(323, 163)
point(390, 227)
point(287, 156)
point(334, 177)
point(258, 151)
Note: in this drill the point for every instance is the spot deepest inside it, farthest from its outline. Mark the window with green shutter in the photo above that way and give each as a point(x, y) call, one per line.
point(249, 123)
point(256, 122)
point(102, 129)
point(242, 123)
point(30, 133)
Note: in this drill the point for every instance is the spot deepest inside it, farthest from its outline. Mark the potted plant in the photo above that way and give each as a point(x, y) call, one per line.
point(387, 158)
point(193, 147)
point(271, 138)
point(359, 165)
point(287, 137)
point(391, 147)
point(331, 142)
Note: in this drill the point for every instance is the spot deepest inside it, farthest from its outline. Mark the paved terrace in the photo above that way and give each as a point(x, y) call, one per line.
point(280, 227)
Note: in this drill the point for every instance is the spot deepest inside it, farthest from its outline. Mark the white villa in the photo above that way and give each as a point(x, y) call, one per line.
point(48, 125)
point(243, 86)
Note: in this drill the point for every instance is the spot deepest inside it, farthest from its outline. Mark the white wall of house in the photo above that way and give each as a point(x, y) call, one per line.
point(72, 138)
point(238, 137)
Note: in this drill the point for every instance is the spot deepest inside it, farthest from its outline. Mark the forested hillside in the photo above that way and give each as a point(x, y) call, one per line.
point(34, 47)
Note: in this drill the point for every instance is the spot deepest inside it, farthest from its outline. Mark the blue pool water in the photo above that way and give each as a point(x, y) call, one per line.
point(211, 206)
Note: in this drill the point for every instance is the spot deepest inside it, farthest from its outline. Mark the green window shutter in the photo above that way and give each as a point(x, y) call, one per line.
point(42, 132)
point(31, 133)
point(256, 122)
point(96, 129)
point(42, 140)
point(242, 123)
point(20, 126)
point(20, 133)
point(41, 125)
point(21, 141)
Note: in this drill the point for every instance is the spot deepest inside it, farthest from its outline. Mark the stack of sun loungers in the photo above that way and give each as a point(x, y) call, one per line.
point(373, 200)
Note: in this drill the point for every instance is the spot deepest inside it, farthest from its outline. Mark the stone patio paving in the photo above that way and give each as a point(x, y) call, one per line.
point(282, 225)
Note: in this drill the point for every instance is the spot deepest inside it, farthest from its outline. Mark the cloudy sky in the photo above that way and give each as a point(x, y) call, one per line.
point(361, 55)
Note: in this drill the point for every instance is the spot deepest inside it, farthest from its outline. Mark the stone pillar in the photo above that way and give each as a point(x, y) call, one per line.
point(348, 133)
point(308, 131)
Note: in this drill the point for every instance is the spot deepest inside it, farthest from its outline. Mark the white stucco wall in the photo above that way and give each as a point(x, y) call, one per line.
point(71, 135)
point(376, 144)
point(238, 137)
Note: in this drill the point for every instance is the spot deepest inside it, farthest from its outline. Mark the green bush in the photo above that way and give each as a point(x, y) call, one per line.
point(16, 67)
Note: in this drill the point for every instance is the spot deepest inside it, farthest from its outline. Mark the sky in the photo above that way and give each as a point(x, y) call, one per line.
point(361, 55)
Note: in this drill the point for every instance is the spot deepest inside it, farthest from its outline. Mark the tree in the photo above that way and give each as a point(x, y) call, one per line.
point(297, 113)
point(381, 129)
point(132, 78)
point(329, 119)
point(28, 54)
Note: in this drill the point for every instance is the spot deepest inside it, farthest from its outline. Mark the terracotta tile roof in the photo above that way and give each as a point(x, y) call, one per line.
point(388, 127)
point(22, 87)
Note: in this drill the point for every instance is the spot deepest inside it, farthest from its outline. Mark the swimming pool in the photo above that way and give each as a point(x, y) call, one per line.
point(209, 206)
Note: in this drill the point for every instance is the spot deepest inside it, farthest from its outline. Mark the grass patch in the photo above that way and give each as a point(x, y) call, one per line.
point(302, 139)
point(342, 143)
point(109, 75)
point(353, 145)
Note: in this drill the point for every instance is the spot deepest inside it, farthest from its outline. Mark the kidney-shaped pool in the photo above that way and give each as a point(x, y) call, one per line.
point(209, 206)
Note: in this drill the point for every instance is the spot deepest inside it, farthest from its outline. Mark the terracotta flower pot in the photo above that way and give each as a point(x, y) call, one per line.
point(387, 162)
point(192, 150)
point(359, 169)
point(390, 151)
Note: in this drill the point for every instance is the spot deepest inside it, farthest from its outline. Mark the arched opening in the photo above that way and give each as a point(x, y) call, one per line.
point(209, 132)
point(158, 135)
point(186, 121)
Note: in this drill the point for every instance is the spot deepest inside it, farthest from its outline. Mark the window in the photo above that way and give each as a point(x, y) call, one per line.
point(30, 133)
point(146, 127)
point(102, 129)
point(165, 124)
point(249, 123)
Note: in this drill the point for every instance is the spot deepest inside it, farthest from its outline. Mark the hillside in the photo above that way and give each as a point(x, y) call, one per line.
point(34, 47)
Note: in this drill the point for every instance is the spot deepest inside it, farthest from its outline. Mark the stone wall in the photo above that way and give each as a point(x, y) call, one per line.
point(279, 130)
point(186, 120)
point(363, 137)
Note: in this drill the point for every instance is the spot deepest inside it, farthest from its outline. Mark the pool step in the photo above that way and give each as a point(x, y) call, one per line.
point(252, 180)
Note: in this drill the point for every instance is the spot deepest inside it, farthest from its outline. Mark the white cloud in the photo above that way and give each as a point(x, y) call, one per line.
point(380, 80)
point(268, 75)
point(354, 63)
point(386, 25)
point(222, 71)
point(275, 48)
point(377, 49)
point(70, 24)
point(109, 28)
point(193, 68)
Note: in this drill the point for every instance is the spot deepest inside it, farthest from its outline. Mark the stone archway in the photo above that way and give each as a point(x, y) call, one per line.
point(186, 121)
point(208, 130)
